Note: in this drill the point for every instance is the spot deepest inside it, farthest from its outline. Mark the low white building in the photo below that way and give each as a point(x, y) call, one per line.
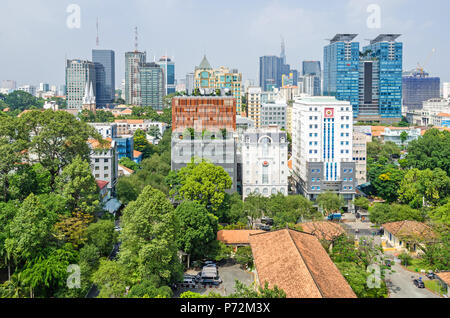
point(264, 162)
point(107, 130)
point(428, 115)
point(407, 236)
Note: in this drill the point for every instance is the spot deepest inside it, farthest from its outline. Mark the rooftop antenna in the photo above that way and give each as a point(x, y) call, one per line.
point(98, 39)
point(136, 39)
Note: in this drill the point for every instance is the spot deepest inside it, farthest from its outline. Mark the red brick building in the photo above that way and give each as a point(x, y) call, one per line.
point(210, 113)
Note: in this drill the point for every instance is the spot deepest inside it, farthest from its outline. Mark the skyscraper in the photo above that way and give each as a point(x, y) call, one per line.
point(190, 83)
point(312, 78)
point(389, 55)
point(418, 87)
point(269, 72)
point(79, 75)
point(152, 85)
point(105, 76)
point(132, 85)
point(340, 73)
point(168, 67)
point(311, 67)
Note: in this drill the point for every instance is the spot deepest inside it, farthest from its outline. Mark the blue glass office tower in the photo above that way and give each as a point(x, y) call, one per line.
point(269, 72)
point(313, 71)
point(105, 75)
point(340, 74)
point(168, 67)
point(389, 55)
point(419, 87)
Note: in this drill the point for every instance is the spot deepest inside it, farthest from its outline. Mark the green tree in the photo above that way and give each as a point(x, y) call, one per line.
point(362, 202)
point(330, 202)
point(57, 138)
point(46, 273)
point(386, 181)
point(357, 278)
point(430, 151)
point(244, 256)
point(77, 184)
point(22, 100)
point(30, 230)
point(243, 291)
point(112, 279)
point(149, 236)
point(385, 213)
point(12, 146)
point(198, 228)
point(424, 187)
point(141, 144)
point(403, 137)
point(204, 183)
point(128, 163)
point(102, 235)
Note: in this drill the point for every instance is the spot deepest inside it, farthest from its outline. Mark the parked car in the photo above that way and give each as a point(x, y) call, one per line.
point(419, 283)
point(209, 264)
point(335, 217)
point(189, 279)
point(431, 275)
point(266, 220)
point(211, 281)
point(263, 227)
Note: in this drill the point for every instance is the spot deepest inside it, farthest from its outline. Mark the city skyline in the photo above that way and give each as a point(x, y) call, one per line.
point(304, 26)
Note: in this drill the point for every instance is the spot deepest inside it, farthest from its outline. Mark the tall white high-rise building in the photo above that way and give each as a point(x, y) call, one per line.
point(446, 90)
point(264, 162)
point(79, 75)
point(322, 147)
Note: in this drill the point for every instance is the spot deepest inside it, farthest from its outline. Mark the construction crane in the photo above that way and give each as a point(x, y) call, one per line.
point(420, 67)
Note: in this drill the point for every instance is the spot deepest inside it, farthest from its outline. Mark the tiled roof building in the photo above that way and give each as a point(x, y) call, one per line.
point(297, 263)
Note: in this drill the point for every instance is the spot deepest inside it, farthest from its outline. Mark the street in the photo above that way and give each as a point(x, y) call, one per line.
point(400, 284)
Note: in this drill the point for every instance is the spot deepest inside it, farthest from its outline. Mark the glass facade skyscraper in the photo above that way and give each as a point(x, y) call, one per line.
point(389, 55)
point(341, 75)
point(78, 74)
point(312, 78)
point(168, 66)
point(105, 74)
point(132, 87)
point(269, 72)
point(152, 85)
point(419, 87)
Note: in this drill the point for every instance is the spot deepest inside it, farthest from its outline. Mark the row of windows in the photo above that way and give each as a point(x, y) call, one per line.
point(348, 188)
point(265, 191)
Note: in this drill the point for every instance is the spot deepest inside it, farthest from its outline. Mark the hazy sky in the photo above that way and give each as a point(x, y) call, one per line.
point(35, 38)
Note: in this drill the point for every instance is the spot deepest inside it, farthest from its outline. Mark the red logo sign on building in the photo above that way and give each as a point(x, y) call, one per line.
point(329, 112)
point(265, 163)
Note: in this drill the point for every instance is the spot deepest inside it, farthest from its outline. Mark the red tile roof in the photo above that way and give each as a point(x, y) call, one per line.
point(297, 263)
point(445, 277)
point(101, 184)
point(323, 229)
point(405, 229)
point(126, 169)
point(236, 236)
point(136, 154)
